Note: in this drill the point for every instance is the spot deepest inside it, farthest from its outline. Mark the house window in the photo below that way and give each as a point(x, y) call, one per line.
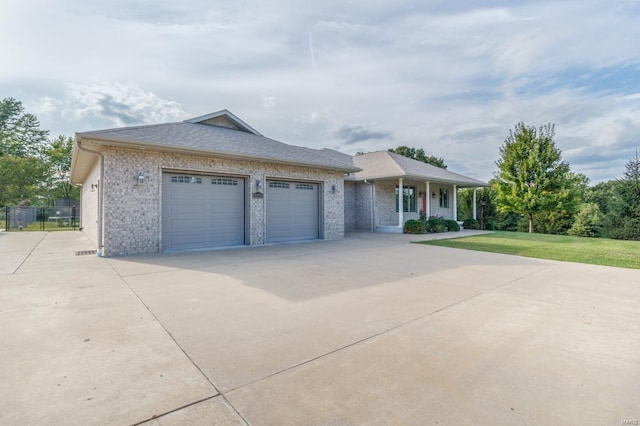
point(408, 199)
point(444, 198)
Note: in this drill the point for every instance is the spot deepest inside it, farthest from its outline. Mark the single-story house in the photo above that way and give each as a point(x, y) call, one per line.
point(214, 181)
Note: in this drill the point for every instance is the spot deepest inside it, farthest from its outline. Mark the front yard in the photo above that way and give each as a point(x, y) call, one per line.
point(595, 251)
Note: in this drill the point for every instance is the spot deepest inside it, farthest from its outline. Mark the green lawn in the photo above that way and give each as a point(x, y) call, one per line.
point(50, 226)
point(596, 251)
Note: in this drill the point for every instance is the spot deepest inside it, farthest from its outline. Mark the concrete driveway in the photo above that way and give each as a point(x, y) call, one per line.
point(369, 329)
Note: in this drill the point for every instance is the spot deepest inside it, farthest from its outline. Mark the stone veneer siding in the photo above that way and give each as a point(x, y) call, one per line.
point(132, 212)
point(364, 192)
point(350, 221)
point(436, 210)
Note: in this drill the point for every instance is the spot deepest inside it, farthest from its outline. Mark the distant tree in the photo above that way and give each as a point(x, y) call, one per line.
point(532, 178)
point(58, 157)
point(601, 194)
point(21, 179)
point(622, 220)
point(20, 133)
point(485, 206)
point(419, 154)
point(588, 221)
point(560, 219)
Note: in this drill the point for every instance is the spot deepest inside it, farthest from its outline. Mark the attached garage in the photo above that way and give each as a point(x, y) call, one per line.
point(202, 211)
point(292, 211)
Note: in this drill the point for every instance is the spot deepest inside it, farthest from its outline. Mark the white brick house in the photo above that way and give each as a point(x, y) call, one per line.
point(215, 181)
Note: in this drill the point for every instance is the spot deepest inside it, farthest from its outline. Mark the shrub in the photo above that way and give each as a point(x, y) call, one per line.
point(413, 226)
point(471, 223)
point(435, 224)
point(452, 225)
point(588, 221)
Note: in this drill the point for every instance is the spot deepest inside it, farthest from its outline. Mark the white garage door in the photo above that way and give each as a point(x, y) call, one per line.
point(292, 211)
point(202, 211)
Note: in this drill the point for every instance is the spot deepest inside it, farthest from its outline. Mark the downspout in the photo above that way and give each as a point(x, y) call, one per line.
point(100, 194)
point(373, 226)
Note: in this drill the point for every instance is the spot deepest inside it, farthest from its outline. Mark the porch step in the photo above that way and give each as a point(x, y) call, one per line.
point(389, 229)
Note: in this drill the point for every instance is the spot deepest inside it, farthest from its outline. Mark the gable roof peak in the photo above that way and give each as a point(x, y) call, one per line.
point(224, 118)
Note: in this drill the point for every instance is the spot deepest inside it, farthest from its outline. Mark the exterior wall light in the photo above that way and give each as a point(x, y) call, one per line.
point(94, 186)
point(333, 189)
point(258, 185)
point(140, 178)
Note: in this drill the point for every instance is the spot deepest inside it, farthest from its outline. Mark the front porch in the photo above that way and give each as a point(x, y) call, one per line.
point(374, 206)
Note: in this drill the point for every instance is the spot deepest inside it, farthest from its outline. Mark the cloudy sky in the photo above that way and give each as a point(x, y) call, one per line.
point(452, 77)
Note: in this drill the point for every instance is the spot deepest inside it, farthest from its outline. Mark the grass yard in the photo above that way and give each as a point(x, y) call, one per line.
point(50, 226)
point(596, 251)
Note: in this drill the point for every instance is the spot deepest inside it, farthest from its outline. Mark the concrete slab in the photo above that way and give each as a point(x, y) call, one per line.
point(369, 329)
point(493, 359)
point(15, 248)
point(214, 411)
point(78, 347)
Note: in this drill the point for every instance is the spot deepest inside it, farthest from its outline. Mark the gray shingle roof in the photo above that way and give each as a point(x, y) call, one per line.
point(386, 165)
point(222, 141)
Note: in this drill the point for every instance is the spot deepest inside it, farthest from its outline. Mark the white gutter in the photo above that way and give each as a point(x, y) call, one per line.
point(100, 193)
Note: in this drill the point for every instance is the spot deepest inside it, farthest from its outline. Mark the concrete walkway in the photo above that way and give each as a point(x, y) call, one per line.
point(369, 329)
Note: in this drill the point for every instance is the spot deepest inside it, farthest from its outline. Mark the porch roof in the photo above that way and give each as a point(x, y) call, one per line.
point(388, 165)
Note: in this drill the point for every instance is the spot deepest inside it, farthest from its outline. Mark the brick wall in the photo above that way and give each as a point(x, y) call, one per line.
point(132, 211)
point(350, 221)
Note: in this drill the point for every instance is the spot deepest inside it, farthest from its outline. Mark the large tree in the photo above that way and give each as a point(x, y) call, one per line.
point(531, 177)
point(58, 157)
point(20, 133)
point(32, 169)
point(419, 154)
point(21, 179)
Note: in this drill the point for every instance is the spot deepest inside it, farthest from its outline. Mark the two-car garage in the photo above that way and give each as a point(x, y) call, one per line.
point(208, 211)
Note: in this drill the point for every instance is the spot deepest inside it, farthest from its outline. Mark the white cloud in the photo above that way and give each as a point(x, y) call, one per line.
point(450, 77)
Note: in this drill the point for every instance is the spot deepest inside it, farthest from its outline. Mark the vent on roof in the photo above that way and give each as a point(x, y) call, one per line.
point(86, 252)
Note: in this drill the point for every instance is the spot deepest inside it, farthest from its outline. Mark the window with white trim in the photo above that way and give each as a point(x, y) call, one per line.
point(275, 184)
point(444, 198)
point(408, 199)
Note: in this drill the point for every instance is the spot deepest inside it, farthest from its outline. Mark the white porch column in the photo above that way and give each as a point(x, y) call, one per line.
point(428, 200)
point(455, 202)
point(400, 203)
point(475, 216)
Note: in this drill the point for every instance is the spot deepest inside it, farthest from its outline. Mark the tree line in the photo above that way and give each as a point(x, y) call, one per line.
point(535, 190)
point(34, 168)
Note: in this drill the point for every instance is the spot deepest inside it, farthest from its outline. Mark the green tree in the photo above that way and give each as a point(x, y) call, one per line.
point(532, 178)
point(20, 133)
point(485, 206)
point(419, 154)
point(622, 220)
point(588, 221)
point(58, 156)
point(21, 179)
